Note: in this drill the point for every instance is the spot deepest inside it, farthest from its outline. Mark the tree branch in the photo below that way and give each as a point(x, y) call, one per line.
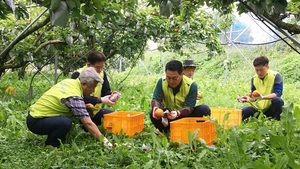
point(48, 43)
point(27, 33)
point(291, 28)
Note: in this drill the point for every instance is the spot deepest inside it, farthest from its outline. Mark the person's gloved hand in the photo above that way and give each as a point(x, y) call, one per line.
point(114, 96)
point(106, 143)
point(243, 99)
point(172, 115)
point(107, 101)
point(165, 121)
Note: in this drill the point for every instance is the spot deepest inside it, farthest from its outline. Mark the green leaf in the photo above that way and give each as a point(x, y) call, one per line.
point(278, 141)
point(297, 112)
point(71, 4)
point(263, 130)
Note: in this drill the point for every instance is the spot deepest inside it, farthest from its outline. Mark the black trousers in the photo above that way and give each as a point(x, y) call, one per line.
point(274, 111)
point(198, 111)
point(55, 127)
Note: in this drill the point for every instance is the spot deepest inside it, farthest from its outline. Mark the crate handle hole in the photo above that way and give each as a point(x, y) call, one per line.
point(200, 121)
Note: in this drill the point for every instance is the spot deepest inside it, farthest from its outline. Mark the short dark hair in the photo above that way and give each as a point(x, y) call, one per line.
point(95, 56)
point(261, 61)
point(174, 65)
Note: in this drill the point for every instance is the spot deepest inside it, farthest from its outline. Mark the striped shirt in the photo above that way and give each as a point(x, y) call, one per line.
point(76, 105)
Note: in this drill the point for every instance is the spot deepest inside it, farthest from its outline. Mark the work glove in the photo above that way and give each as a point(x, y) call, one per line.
point(115, 96)
point(243, 99)
point(106, 143)
point(107, 101)
point(172, 115)
point(165, 121)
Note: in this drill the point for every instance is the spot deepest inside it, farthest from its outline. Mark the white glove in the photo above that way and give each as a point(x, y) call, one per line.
point(106, 143)
point(165, 121)
point(242, 99)
point(172, 115)
point(107, 101)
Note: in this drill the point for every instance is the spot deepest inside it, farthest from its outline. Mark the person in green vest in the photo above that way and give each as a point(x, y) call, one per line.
point(189, 68)
point(97, 60)
point(55, 111)
point(175, 96)
point(268, 86)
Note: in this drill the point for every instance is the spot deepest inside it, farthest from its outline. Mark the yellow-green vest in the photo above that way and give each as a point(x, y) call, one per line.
point(265, 87)
point(97, 92)
point(176, 102)
point(49, 105)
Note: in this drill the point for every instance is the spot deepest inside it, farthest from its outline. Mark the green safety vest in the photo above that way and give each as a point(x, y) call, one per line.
point(49, 105)
point(264, 86)
point(176, 102)
point(97, 92)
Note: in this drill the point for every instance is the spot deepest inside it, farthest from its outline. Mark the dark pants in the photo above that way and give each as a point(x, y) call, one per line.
point(55, 127)
point(198, 111)
point(274, 111)
point(98, 117)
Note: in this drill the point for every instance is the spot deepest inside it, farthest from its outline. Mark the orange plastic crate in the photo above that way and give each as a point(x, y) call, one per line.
point(179, 129)
point(234, 116)
point(128, 122)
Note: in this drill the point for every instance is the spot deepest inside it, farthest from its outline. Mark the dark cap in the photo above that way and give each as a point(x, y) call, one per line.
point(189, 63)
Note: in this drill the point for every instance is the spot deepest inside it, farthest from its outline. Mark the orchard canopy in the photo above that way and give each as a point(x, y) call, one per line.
point(35, 31)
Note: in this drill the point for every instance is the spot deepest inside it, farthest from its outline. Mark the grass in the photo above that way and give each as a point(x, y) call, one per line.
point(260, 143)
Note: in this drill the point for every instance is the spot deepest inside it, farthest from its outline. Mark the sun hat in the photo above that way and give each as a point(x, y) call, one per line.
point(189, 63)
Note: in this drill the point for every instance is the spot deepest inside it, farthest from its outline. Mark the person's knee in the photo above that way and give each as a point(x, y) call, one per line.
point(66, 124)
point(201, 110)
point(277, 101)
point(206, 110)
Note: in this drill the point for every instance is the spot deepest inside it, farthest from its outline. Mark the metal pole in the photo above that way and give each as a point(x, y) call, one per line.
point(18, 37)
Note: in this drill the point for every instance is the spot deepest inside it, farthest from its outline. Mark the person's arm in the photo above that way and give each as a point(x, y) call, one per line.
point(252, 85)
point(278, 88)
point(190, 101)
point(75, 75)
point(106, 90)
point(157, 95)
point(78, 108)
